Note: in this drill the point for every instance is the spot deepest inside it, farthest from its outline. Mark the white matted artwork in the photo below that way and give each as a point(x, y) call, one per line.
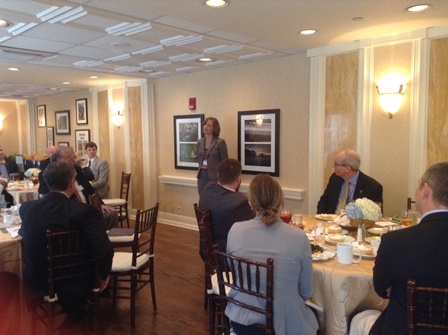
point(82, 137)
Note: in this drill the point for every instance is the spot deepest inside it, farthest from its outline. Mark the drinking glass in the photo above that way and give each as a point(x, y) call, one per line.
point(406, 217)
point(286, 216)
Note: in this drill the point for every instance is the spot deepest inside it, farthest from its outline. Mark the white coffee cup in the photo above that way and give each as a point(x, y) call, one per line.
point(345, 253)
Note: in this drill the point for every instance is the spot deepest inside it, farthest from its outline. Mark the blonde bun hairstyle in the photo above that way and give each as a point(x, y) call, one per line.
point(266, 198)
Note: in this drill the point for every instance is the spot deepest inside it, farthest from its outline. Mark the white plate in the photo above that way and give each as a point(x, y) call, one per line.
point(323, 256)
point(347, 239)
point(369, 239)
point(375, 231)
point(326, 217)
point(342, 232)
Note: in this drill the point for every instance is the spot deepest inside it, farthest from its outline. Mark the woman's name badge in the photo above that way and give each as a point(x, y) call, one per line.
point(204, 162)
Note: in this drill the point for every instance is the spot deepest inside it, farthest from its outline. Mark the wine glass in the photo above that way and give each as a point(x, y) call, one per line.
point(285, 215)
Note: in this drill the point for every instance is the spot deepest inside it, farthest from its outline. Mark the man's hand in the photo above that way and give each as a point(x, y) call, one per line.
point(104, 283)
point(107, 209)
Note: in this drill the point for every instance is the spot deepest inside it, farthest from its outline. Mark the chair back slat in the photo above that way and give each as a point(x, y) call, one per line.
point(246, 276)
point(145, 221)
point(427, 307)
point(125, 185)
point(206, 241)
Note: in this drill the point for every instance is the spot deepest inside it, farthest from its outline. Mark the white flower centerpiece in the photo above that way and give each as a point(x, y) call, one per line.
point(32, 172)
point(363, 211)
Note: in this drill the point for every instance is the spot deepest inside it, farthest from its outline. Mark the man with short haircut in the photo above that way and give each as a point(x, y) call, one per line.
point(419, 252)
point(100, 169)
point(58, 213)
point(225, 203)
point(7, 165)
point(347, 184)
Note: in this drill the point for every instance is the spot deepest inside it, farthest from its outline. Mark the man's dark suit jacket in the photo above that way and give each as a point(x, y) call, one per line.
point(366, 187)
point(226, 208)
point(56, 212)
point(419, 252)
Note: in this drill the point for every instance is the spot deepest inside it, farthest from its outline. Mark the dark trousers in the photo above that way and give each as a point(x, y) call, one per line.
point(240, 329)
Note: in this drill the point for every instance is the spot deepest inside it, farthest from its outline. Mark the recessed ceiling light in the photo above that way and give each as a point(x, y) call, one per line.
point(4, 23)
point(205, 60)
point(66, 83)
point(13, 69)
point(53, 89)
point(308, 32)
point(146, 71)
point(418, 8)
point(216, 3)
point(93, 77)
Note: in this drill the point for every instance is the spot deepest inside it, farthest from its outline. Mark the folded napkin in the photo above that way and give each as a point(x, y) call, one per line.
point(342, 220)
point(13, 231)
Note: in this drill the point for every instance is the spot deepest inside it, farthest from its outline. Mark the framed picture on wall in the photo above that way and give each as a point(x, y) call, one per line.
point(82, 137)
point(62, 122)
point(41, 116)
point(63, 144)
point(81, 111)
point(50, 136)
point(259, 141)
point(187, 132)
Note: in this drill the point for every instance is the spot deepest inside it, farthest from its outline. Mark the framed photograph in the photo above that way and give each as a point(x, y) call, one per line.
point(82, 137)
point(50, 136)
point(81, 111)
point(259, 141)
point(63, 144)
point(41, 116)
point(62, 121)
point(187, 132)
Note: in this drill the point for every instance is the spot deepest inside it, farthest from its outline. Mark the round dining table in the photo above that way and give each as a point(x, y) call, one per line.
point(22, 192)
point(341, 290)
point(10, 253)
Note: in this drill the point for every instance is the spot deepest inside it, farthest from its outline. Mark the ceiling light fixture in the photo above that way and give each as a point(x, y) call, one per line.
point(205, 60)
point(66, 83)
point(93, 77)
point(4, 23)
point(13, 69)
point(216, 3)
point(308, 32)
point(418, 8)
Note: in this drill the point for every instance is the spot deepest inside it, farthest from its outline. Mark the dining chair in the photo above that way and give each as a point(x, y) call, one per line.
point(211, 291)
point(95, 200)
point(133, 270)
point(427, 307)
point(69, 261)
point(254, 279)
point(121, 204)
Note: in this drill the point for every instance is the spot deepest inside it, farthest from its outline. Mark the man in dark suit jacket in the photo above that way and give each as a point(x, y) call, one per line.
point(419, 252)
point(225, 203)
point(346, 169)
point(57, 212)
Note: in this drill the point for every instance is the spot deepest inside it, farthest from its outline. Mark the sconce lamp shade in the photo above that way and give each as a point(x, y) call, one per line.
point(117, 115)
point(391, 89)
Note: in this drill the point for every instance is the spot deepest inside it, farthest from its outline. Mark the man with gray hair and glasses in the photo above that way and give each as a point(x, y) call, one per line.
point(347, 184)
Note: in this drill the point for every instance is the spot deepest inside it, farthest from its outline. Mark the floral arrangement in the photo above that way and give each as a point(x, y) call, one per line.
point(363, 209)
point(32, 172)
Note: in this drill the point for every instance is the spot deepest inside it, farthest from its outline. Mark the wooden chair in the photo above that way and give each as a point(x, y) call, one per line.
point(427, 307)
point(121, 204)
point(69, 260)
point(211, 290)
point(256, 279)
point(409, 203)
point(95, 201)
point(135, 269)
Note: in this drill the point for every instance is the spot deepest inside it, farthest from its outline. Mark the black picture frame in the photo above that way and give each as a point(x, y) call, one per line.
point(81, 111)
point(259, 141)
point(187, 132)
point(82, 137)
point(50, 136)
point(41, 116)
point(62, 122)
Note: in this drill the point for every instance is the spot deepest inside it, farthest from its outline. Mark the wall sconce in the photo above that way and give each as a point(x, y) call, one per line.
point(117, 115)
point(391, 89)
point(1, 123)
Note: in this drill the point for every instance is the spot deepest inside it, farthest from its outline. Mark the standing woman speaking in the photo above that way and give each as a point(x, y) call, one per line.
point(211, 151)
